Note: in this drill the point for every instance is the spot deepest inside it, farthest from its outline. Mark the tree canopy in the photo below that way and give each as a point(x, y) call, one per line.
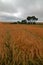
point(32, 19)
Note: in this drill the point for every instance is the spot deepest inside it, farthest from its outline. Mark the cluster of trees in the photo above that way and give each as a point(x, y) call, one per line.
point(22, 22)
point(30, 19)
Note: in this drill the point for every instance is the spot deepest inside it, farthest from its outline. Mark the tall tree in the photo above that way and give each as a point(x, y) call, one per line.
point(32, 19)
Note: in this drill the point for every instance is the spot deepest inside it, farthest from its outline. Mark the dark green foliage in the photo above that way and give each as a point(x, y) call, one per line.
point(32, 19)
point(23, 22)
point(13, 23)
point(18, 22)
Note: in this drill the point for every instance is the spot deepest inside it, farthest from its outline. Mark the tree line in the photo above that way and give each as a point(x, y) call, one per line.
point(28, 20)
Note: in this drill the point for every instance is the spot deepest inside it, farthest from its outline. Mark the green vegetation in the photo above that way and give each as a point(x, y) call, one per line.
point(30, 19)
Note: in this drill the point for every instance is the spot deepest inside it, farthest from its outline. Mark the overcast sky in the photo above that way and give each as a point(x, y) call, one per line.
point(21, 8)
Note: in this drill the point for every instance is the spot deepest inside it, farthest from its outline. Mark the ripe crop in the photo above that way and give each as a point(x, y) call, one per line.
point(21, 44)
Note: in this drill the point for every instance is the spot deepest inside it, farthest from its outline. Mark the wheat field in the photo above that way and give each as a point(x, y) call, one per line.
point(21, 44)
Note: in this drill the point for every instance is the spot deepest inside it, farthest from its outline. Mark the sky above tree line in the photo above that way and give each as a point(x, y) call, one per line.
point(21, 9)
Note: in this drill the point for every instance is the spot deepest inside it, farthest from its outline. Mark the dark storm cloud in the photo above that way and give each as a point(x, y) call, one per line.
point(21, 8)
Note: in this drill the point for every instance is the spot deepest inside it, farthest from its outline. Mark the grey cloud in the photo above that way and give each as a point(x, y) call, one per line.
point(25, 7)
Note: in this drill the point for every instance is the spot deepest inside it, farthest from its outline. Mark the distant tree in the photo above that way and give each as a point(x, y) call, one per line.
point(18, 22)
point(23, 22)
point(15, 23)
point(32, 19)
point(29, 19)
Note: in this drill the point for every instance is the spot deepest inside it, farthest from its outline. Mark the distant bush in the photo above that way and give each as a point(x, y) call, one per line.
point(23, 22)
point(18, 22)
point(13, 23)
